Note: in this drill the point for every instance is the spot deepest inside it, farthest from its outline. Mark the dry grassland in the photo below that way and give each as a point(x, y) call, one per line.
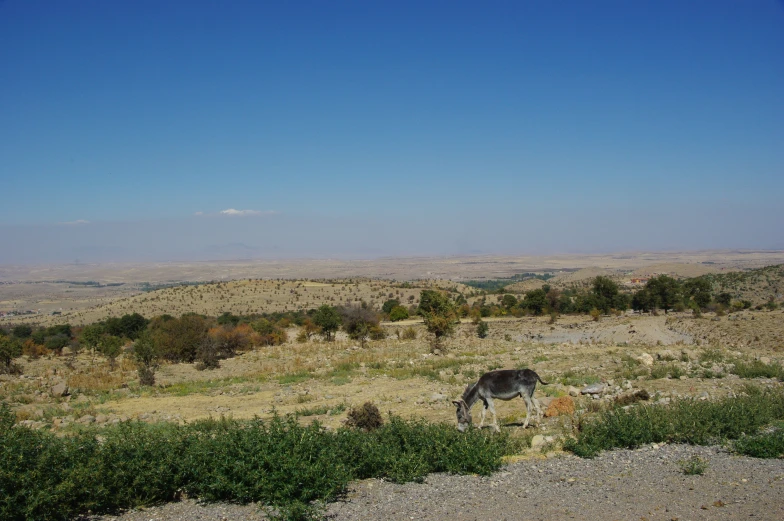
point(321, 380)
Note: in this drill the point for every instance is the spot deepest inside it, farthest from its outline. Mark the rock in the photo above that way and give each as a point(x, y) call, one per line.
point(666, 355)
point(645, 359)
point(594, 389)
point(87, 418)
point(437, 397)
point(573, 391)
point(59, 389)
point(539, 440)
point(559, 406)
point(101, 418)
point(765, 360)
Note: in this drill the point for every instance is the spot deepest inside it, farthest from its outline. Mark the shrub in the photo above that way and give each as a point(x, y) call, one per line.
point(595, 314)
point(10, 348)
point(694, 466)
point(409, 333)
point(398, 313)
point(766, 445)
point(684, 421)
point(368, 418)
point(328, 319)
point(278, 463)
point(481, 329)
point(358, 322)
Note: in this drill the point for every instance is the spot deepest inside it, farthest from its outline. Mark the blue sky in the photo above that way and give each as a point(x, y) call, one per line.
point(152, 130)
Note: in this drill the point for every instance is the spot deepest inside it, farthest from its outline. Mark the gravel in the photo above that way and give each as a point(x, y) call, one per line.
point(644, 484)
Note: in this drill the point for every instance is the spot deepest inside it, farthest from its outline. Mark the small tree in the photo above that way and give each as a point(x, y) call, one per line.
point(358, 323)
point(389, 305)
point(22, 331)
point(328, 319)
point(111, 347)
point(398, 313)
point(481, 329)
point(535, 301)
point(146, 356)
point(439, 314)
point(10, 348)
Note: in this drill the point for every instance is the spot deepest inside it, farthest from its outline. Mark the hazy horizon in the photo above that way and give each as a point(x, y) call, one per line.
point(156, 131)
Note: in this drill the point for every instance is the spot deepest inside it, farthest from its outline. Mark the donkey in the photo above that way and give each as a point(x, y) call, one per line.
point(504, 384)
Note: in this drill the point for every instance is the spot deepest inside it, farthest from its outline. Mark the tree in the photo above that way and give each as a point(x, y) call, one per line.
point(22, 331)
point(605, 291)
point(57, 342)
point(722, 298)
point(642, 300)
point(389, 305)
point(146, 356)
point(111, 347)
point(508, 301)
point(665, 292)
point(535, 301)
point(398, 313)
point(328, 319)
point(699, 291)
point(439, 314)
point(10, 348)
point(481, 329)
point(178, 339)
point(358, 322)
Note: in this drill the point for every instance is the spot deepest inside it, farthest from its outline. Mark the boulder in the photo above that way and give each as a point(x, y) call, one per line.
point(59, 389)
point(594, 389)
point(645, 359)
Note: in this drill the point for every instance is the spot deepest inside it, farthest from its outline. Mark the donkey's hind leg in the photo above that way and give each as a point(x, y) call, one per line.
point(528, 405)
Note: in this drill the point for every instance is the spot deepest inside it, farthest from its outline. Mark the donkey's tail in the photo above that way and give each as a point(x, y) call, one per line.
point(540, 379)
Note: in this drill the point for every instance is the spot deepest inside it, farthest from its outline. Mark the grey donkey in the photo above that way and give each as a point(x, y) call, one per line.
point(504, 384)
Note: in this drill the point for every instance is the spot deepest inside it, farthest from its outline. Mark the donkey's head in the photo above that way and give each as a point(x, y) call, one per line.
point(463, 415)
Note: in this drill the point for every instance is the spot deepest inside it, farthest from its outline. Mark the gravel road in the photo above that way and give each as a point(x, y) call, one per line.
point(645, 484)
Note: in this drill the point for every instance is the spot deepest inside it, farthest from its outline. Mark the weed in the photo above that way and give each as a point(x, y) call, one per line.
point(711, 356)
point(575, 378)
point(757, 369)
point(694, 466)
point(667, 371)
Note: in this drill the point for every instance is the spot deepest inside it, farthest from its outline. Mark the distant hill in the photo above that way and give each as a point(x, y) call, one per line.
point(757, 285)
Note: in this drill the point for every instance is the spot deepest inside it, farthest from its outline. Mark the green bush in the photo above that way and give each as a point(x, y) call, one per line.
point(279, 463)
point(757, 369)
point(767, 445)
point(684, 421)
point(398, 313)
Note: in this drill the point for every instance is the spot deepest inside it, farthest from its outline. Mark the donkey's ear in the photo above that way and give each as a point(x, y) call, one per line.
point(457, 402)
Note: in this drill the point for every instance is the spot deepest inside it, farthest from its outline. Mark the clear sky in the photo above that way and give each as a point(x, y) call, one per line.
point(170, 130)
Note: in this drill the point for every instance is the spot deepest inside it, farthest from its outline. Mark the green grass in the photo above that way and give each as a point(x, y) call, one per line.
point(673, 371)
point(757, 369)
point(294, 378)
point(684, 421)
point(278, 463)
point(576, 378)
point(198, 387)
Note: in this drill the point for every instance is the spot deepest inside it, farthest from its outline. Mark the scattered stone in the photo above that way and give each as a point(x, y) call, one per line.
point(59, 389)
point(645, 359)
point(87, 418)
point(573, 391)
point(594, 389)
